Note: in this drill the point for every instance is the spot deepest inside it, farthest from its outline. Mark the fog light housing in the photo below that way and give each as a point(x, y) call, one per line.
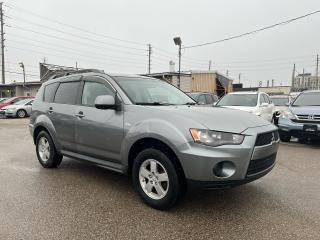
point(224, 169)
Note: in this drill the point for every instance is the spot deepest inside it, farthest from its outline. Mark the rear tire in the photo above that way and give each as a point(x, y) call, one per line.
point(156, 179)
point(285, 137)
point(46, 151)
point(21, 114)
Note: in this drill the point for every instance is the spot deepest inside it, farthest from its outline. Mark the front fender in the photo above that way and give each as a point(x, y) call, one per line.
point(157, 129)
point(44, 121)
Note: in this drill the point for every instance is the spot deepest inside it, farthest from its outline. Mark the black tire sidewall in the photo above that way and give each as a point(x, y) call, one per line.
point(174, 184)
point(54, 159)
point(285, 137)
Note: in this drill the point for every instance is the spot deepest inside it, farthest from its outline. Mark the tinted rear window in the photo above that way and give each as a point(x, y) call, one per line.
point(67, 93)
point(49, 92)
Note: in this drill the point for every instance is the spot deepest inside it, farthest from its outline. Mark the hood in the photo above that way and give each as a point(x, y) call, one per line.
point(242, 108)
point(215, 118)
point(4, 105)
point(280, 108)
point(307, 110)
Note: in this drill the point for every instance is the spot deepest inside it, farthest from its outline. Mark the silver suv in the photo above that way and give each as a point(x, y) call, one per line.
point(151, 130)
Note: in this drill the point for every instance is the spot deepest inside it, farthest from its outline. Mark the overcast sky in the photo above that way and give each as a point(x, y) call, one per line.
point(260, 57)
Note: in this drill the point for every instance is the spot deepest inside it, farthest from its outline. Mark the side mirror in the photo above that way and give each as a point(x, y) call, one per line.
point(287, 104)
point(214, 104)
point(105, 102)
point(264, 104)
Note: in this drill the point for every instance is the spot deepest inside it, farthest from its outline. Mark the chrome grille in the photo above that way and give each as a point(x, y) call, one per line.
point(308, 118)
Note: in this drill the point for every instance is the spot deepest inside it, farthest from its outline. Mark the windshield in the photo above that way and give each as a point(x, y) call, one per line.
point(193, 95)
point(280, 101)
point(308, 99)
point(150, 91)
point(248, 100)
point(22, 102)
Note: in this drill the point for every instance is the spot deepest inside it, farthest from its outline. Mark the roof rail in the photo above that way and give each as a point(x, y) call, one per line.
point(71, 72)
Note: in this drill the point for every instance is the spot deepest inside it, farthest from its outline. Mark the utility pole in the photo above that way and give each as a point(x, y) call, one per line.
point(210, 62)
point(2, 45)
point(149, 59)
point(227, 73)
point(239, 77)
point(293, 76)
point(177, 41)
point(77, 66)
point(317, 72)
point(303, 77)
point(179, 66)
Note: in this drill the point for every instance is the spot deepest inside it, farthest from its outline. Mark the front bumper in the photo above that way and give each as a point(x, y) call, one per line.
point(8, 113)
point(295, 129)
point(199, 161)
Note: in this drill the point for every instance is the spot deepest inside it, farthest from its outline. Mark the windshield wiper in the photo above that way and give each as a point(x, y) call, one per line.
point(153, 103)
point(190, 103)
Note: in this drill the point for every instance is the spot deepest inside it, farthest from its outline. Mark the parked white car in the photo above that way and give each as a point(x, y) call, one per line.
point(20, 109)
point(257, 103)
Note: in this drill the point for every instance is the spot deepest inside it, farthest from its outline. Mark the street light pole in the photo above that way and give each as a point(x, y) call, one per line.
point(24, 72)
point(177, 41)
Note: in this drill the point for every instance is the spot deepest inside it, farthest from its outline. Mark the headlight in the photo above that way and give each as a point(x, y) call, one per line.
point(287, 114)
point(10, 109)
point(215, 138)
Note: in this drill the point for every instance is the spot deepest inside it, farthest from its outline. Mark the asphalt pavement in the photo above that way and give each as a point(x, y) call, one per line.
point(81, 201)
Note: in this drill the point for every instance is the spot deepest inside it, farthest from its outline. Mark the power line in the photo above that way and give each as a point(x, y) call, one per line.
point(72, 41)
point(80, 53)
point(61, 56)
point(170, 54)
point(14, 18)
point(14, 7)
point(254, 31)
point(64, 47)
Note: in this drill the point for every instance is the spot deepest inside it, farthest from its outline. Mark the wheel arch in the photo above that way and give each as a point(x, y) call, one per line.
point(151, 142)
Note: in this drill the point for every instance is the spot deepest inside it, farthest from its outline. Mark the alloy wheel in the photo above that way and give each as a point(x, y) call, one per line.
point(153, 178)
point(44, 149)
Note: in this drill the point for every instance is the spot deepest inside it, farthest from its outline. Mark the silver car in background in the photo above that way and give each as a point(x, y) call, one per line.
point(20, 109)
point(151, 130)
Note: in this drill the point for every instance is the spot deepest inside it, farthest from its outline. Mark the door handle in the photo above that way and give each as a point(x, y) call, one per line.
point(79, 114)
point(50, 110)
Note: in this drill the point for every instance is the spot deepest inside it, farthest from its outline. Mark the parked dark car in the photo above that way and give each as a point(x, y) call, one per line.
point(302, 118)
point(204, 98)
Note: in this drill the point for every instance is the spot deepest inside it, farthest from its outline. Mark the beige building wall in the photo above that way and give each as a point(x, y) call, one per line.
point(275, 90)
point(27, 91)
point(185, 83)
point(203, 82)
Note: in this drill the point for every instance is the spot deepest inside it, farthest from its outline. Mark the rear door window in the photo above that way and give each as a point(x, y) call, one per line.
point(209, 99)
point(202, 99)
point(265, 97)
point(49, 92)
point(67, 93)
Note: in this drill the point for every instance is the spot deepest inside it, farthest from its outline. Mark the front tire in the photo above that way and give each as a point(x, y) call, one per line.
point(285, 137)
point(156, 179)
point(21, 114)
point(46, 151)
